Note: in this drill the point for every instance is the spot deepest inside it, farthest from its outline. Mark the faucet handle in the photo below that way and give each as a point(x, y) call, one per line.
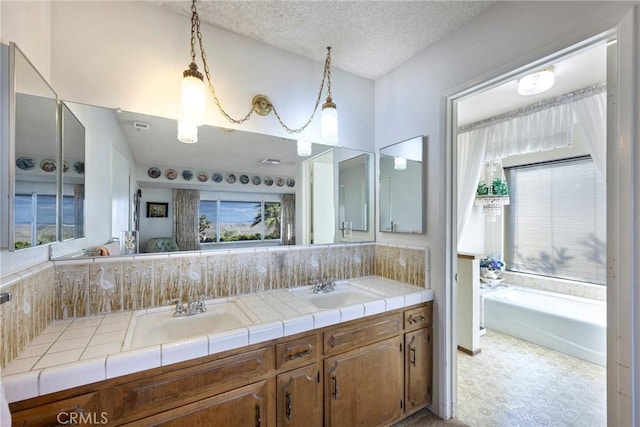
point(200, 305)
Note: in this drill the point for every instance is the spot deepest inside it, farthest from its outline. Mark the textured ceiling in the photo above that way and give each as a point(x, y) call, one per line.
point(368, 38)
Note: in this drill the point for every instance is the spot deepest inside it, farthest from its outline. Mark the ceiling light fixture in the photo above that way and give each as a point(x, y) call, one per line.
point(304, 148)
point(535, 83)
point(193, 104)
point(399, 163)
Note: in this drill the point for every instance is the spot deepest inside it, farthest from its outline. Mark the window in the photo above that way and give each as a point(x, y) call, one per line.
point(35, 219)
point(232, 221)
point(556, 222)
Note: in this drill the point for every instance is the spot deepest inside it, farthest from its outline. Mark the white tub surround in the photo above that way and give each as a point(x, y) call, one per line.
point(572, 325)
point(96, 347)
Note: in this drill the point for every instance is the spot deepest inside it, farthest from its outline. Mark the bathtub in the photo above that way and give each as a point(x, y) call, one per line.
point(572, 325)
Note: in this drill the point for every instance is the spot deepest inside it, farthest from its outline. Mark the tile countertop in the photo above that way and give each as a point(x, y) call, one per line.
point(75, 352)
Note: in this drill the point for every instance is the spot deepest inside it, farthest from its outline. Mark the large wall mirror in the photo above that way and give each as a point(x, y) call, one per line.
point(245, 182)
point(33, 155)
point(402, 186)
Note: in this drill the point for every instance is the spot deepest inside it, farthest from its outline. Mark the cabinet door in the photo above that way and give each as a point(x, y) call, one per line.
point(75, 410)
point(299, 397)
point(246, 406)
point(364, 387)
point(418, 348)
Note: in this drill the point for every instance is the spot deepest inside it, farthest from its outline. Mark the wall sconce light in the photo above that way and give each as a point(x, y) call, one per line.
point(304, 148)
point(399, 163)
point(535, 83)
point(193, 104)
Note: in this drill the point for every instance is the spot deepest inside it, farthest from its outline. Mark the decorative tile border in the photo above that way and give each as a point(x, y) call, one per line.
point(29, 312)
point(403, 264)
point(87, 287)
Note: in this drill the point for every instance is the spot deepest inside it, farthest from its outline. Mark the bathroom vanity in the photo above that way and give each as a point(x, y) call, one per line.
point(370, 365)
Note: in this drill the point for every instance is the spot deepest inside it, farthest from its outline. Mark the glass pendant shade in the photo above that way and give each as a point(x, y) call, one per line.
point(329, 121)
point(193, 96)
point(536, 83)
point(187, 132)
point(399, 163)
point(304, 148)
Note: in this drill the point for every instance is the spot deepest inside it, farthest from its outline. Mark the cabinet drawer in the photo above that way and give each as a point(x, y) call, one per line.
point(419, 317)
point(298, 352)
point(361, 334)
point(83, 408)
point(149, 395)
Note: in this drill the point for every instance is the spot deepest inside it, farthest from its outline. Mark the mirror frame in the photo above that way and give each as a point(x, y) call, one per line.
point(423, 182)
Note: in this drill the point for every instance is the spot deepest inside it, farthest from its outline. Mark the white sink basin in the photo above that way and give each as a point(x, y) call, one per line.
point(343, 295)
point(160, 326)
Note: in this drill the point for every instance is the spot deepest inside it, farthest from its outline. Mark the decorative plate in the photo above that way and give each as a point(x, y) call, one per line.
point(244, 179)
point(279, 182)
point(48, 165)
point(78, 167)
point(154, 172)
point(256, 180)
point(65, 166)
point(231, 178)
point(171, 174)
point(187, 175)
point(202, 176)
point(291, 182)
point(25, 163)
point(216, 177)
point(268, 181)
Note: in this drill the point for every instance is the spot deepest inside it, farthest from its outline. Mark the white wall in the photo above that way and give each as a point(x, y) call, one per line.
point(28, 24)
point(410, 100)
point(155, 227)
point(132, 56)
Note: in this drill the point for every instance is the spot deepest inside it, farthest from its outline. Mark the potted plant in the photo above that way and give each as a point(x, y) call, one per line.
point(491, 268)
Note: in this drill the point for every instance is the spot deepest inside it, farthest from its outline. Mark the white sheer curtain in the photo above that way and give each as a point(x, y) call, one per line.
point(591, 113)
point(542, 126)
point(472, 147)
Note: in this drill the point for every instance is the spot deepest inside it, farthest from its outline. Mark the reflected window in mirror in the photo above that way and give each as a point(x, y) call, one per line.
point(34, 154)
point(402, 186)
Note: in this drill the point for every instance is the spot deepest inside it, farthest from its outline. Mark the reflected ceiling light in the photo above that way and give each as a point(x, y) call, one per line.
point(187, 132)
point(193, 103)
point(535, 83)
point(399, 163)
point(304, 148)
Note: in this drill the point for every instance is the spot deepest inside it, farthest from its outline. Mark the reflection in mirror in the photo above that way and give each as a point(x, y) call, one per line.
point(352, 194)
point(402, 186)
point(242, 179)
point(34, 150)
point(339, 187)
point(73, 149)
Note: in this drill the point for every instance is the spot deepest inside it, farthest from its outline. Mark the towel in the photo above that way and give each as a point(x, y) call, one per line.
point(103, 251)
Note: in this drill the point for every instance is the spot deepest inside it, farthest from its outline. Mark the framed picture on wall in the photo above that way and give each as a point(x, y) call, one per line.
point(157, 210)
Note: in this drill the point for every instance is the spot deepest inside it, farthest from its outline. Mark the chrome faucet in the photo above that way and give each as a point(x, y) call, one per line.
point(91, 252)
point(323, 287)
point(193, 306)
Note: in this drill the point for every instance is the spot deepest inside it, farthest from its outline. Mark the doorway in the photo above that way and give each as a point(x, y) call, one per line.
point(504, 353)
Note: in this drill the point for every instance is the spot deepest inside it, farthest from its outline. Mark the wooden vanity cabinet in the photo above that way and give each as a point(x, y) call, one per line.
point(418, 358)
point(363, 387)
point(299, 397)
point(246, 406)
point(367, 372)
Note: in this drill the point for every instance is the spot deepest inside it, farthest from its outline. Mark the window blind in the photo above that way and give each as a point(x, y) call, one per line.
point(556, 222)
